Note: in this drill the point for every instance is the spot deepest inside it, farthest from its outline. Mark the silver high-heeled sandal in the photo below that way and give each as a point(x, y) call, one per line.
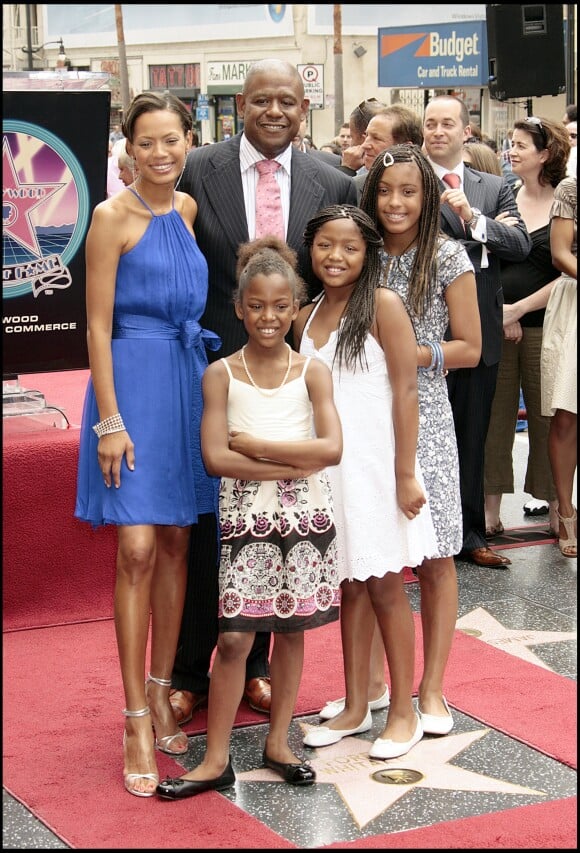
point(129, 778)
point(163, 743)
point(568, 546)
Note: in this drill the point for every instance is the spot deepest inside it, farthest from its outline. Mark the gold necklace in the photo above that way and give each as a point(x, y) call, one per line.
point(268, 392)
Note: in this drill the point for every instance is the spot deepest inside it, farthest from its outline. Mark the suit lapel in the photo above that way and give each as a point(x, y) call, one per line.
point(223, 189)
point(305, 197)
point(474, 188)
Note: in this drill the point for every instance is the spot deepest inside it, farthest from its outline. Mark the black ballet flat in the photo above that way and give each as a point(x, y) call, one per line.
point(180, 789)
point(294, 774)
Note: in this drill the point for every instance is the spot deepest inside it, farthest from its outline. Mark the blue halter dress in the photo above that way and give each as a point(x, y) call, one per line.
point(159, 356)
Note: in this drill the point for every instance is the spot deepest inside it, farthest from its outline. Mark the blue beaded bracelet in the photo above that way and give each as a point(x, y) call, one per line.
point(437, 364)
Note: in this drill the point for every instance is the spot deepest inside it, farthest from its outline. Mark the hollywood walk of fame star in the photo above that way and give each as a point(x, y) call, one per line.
point(347, 766)
point(18, 202)
point(514, 641)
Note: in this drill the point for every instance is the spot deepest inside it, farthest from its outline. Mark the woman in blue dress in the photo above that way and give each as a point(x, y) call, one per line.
point(140, 465)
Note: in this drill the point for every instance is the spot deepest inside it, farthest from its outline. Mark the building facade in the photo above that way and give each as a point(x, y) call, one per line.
point(202, 53)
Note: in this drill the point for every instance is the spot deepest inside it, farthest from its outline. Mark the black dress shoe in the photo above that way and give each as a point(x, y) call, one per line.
point(180, 789)
point(294, 774)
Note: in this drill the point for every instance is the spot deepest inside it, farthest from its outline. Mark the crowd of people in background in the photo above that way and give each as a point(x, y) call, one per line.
point(539, 156)
point(411, 276)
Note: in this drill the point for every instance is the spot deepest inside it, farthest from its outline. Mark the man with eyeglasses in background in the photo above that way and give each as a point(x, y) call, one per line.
point(469, 213)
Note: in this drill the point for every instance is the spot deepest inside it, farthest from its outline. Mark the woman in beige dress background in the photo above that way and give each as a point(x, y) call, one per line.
point(558, 363)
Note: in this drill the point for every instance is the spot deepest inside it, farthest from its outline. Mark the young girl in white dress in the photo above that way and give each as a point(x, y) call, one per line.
point(269, 429)
point(383, 522)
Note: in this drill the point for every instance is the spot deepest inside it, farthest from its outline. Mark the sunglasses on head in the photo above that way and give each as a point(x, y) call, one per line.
point(363, 107)
point(536, 122)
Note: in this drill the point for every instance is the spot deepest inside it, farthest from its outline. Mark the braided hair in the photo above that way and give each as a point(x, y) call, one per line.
point(424, 269)
point(359, 312)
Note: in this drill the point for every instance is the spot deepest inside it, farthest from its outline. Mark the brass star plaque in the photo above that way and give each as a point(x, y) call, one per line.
point(397, 776)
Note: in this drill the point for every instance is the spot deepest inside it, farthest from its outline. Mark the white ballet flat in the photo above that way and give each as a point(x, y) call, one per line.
point(323, 736)
point(336, 707)
point(393, 749)
point(434, 725)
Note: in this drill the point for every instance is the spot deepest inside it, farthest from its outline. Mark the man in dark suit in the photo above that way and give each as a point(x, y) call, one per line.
point(301, 143)
point(469, 213)
point(222, 179)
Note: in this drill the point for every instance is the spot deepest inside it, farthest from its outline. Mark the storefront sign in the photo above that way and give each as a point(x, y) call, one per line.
point(228, 72)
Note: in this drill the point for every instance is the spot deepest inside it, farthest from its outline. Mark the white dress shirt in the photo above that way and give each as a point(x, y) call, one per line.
point(249, 156)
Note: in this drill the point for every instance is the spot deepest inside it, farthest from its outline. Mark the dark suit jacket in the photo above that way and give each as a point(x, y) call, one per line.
point(212, 176)
point(359, 182)
point(471, 390)
point(326, 156)
point(492, 195)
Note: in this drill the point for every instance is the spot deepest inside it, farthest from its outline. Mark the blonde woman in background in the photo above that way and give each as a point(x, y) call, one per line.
point(479, 156)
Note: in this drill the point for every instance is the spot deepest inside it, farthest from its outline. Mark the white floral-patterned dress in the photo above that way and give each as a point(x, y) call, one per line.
point(436, 444)
point(278, 540)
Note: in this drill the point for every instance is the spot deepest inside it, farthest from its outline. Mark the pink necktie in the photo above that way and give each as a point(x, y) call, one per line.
point(452, 180)
point(269, 216)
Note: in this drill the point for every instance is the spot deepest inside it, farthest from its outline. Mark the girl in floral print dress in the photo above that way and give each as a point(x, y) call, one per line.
point(269, 429)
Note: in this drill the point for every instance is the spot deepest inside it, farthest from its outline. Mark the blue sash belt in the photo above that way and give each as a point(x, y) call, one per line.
point(190, 333)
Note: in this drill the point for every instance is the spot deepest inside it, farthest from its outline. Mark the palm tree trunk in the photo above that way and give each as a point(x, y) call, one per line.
point(123, 72)
point(338, 90)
